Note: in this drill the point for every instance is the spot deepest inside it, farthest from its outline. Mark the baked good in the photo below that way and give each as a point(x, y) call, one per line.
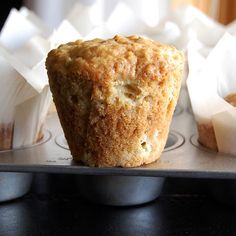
point(206, 133)
point(231, 98)
point(115, 98)
point(6, 134)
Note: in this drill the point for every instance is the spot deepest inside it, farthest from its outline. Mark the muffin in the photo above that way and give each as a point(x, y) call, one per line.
point(115, 98)
point(206, 133)
point(231, 99)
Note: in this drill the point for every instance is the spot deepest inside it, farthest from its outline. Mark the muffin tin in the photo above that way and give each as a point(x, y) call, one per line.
point(183, 157)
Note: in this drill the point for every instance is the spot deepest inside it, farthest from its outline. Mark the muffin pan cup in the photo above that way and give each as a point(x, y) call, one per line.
point(119, 190)
point(182, 157)
point(14, 185)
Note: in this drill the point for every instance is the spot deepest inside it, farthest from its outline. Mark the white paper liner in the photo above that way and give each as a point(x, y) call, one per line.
point(37, 47)
point(31, 120)
point(85, 17)
point(133, 24)
point(65, 33)
point(210, 80)
point(34, 80)
point(34, 19)
point(24, 91)
point(19, 27)
point(24, 110)
point(225, 130)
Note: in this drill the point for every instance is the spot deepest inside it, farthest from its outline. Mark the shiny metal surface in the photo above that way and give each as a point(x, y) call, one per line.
point(185, 160)
point(14, 185)
point(119, 190)
point(174, 141)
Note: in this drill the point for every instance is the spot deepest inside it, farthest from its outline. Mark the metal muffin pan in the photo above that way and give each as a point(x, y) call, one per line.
point(119, 190)
point(182, 157)
point(16, 184)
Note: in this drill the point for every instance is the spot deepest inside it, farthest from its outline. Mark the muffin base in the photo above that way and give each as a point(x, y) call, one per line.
point(6, 134)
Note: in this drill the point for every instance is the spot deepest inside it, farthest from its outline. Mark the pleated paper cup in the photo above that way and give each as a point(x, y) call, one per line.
point(210, 80)
point(24, 93)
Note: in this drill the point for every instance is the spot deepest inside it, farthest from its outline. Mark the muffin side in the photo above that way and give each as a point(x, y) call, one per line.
point(115, 98)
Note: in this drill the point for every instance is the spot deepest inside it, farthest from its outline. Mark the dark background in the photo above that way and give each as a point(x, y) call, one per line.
point(54, 207)
point(6, 7)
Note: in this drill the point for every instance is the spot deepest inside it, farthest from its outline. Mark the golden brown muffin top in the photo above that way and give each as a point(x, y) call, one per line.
point(104, 60)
